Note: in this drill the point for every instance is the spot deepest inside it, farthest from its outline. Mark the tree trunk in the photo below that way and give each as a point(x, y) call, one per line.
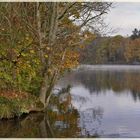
point(52, 26)
point(43, 89)
point(40, 35)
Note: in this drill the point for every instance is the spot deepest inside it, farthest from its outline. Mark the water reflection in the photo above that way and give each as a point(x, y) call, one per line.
point(90, 122)
point(27, 127)
point(112, 93)
point(96, 81)
point(61, 120)
point(87, 102)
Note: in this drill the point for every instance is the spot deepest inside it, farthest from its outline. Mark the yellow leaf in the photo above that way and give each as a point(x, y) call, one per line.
point(27, 38)
point(46, 56)
point(32, 51)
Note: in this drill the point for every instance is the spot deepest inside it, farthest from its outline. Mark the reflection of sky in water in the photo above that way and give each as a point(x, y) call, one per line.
point(120, 113)
point(108, 113)
point(104, 101)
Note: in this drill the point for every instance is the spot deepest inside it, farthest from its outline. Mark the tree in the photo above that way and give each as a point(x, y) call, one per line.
point(132, 51)
point(40, 42)
point(135, 34)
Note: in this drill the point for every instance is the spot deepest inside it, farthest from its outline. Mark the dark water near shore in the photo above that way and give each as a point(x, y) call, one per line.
point(103, 101)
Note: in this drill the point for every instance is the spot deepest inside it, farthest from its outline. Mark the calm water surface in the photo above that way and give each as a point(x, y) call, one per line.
point(102, 101)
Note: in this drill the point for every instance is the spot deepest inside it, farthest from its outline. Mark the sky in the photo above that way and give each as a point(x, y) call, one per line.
point(123, 18)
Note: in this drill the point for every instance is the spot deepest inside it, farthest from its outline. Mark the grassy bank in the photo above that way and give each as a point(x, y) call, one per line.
point(14, 104)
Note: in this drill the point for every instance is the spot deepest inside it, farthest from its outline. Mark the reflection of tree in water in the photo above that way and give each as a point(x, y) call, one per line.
point(66, 121)
point(91, 120)
point(63, 116)
point(97, 81)
point(80, 98)
point(135, 95)
point(60, 121)
point(25, 127)
point(118, 81)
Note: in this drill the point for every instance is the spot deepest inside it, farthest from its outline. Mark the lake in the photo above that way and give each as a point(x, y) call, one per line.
point(94, 101)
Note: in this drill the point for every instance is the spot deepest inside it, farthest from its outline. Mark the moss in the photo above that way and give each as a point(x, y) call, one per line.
point(15, 107)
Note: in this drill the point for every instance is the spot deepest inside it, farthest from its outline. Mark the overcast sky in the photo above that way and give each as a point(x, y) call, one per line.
point(125, 16)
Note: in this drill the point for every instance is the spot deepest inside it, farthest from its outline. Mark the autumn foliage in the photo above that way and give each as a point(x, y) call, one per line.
point(41, 41)
point(112, 50)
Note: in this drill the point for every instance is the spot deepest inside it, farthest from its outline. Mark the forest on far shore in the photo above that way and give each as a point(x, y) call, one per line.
point(113, 50)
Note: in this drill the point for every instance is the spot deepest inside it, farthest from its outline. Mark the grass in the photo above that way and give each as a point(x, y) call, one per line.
point(14, 104)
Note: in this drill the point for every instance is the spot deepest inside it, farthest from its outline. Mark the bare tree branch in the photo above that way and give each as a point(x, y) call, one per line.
point(66, 10)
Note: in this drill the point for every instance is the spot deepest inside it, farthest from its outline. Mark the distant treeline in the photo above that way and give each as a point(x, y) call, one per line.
point(113, 50)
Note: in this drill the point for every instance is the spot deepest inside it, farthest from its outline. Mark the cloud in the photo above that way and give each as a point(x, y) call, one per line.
point(125, 17)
